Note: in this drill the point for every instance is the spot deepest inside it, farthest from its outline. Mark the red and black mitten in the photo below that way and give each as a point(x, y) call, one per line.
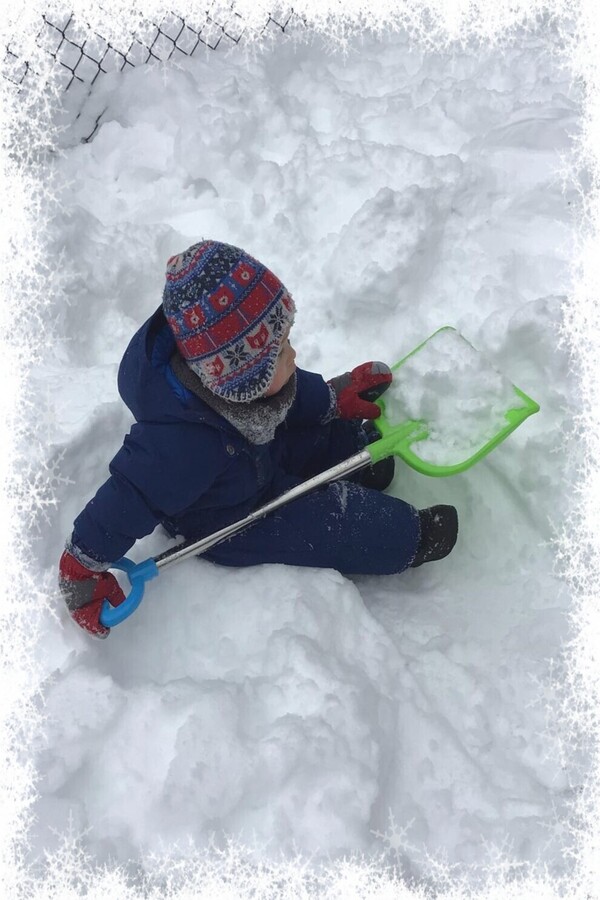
point(356, 390)
point(84, 592)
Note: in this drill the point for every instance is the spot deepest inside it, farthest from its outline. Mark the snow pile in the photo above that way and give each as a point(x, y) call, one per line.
point(393, 192)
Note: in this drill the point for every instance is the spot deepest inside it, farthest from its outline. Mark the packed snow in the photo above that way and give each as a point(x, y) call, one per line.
point(393, 191)
point(451, 388)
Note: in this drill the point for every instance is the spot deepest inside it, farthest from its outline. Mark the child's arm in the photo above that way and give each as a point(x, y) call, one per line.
point(313, 402)
point(155, 474)
point(319, 401)
point(105, 530)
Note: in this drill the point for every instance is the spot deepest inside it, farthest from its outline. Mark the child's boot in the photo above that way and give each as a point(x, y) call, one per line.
point(439, 530)
point(378, 476)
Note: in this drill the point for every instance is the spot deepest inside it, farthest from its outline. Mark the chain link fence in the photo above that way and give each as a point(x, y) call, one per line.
point(80, 62)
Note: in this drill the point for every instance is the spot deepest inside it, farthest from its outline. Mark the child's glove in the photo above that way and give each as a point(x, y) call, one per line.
point(356, 390)
point(84, 592)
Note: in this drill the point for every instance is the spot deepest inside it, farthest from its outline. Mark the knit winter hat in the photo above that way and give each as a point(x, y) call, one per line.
point(229, 314)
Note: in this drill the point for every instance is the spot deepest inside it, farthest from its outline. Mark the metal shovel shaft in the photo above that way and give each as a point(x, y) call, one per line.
point(140, 573)
point(177, 554)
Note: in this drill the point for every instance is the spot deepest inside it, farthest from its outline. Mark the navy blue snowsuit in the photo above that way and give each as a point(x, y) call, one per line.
point(186, 467)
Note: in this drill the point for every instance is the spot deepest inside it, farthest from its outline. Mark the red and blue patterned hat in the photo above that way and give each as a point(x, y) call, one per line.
point(229, 315)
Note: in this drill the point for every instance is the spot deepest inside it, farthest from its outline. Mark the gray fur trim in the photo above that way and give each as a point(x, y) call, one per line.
point(92, 564)
point(256, 420)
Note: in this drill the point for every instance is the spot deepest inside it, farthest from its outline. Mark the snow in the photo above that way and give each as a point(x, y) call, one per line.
point(451, 387)
point(393, 191)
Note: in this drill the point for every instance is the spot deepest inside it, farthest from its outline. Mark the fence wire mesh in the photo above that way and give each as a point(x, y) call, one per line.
point(78, 62)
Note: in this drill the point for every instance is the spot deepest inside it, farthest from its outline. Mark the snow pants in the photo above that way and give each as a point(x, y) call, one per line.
point(341, 525)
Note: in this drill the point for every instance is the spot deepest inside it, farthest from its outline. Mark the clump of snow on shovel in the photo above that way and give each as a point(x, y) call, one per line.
point(457, 392)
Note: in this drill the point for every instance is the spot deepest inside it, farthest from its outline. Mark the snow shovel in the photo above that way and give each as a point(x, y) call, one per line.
point(468, 409)
point(402, 435)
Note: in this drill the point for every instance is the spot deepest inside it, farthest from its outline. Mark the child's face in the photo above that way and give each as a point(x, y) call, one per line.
point(286, 367)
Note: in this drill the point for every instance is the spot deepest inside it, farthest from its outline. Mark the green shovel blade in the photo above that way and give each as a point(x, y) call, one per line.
point(402, 438)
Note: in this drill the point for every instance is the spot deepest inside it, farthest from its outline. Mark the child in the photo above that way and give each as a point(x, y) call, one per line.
point(225, 422)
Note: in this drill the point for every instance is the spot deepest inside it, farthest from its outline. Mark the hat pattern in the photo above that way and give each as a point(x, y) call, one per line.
point(228, 314)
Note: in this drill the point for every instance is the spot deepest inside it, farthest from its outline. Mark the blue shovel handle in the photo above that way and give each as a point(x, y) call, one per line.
point(138, 574)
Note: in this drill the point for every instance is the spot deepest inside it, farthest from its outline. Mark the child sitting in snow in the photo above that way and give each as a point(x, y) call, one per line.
point(225, 422)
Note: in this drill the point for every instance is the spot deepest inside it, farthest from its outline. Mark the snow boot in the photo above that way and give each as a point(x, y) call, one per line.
point(380, 475)
point(439, 530)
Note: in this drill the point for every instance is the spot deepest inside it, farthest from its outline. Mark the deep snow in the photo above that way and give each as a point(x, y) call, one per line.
point(393, 191)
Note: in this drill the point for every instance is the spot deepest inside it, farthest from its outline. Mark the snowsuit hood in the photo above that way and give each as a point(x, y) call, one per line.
point(148, 386)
